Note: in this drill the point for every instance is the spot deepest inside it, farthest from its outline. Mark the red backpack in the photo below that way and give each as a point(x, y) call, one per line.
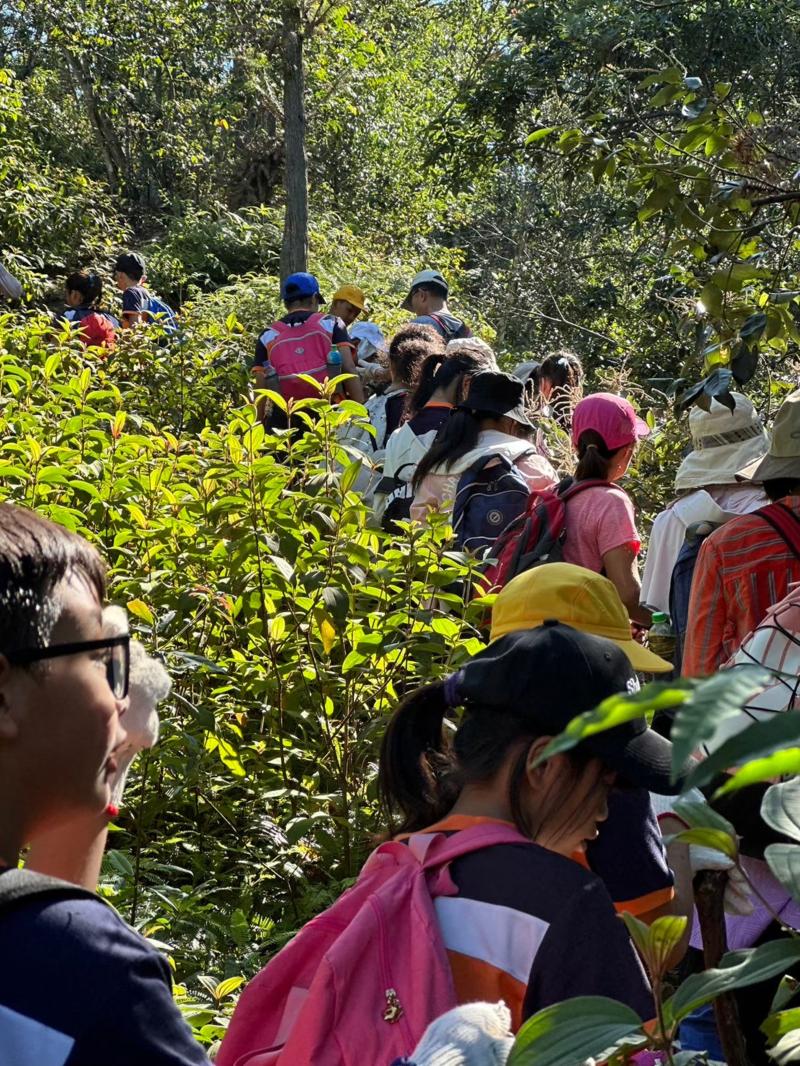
point(360, 983)
point(300, 349)
point(537, 536)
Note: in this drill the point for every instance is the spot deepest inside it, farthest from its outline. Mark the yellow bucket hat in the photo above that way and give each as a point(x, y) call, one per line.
point(576, 597)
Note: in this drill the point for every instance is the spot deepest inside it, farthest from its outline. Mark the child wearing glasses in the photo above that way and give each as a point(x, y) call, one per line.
point(82, 987)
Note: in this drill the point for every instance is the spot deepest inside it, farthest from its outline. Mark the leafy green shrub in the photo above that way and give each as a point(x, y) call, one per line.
point(290, 628)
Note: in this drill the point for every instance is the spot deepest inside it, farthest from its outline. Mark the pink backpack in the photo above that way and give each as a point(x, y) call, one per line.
point(361, 982)
point(300, 349)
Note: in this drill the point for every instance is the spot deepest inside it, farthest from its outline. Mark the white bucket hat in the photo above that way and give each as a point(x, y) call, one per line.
point(723, 442)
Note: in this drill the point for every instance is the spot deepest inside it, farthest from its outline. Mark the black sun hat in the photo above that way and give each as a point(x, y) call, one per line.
point(553, 673)
point(496, 393)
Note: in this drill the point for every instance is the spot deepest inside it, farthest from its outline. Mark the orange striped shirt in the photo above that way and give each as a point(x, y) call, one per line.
point(743, 569)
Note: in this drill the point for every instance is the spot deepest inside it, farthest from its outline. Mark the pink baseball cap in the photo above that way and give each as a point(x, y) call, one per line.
point(611, 416)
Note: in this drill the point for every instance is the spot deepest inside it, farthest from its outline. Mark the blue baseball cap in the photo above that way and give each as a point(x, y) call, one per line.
point(299, 287)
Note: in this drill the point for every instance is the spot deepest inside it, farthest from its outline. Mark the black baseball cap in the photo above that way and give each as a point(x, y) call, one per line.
point(132, 264)
point(551, 674)
point(494, 392)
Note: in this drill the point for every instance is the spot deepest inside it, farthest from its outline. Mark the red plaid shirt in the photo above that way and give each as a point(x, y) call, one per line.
point(742, 570)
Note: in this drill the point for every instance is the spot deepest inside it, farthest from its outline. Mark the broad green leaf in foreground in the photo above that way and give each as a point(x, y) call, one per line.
point(757, 741)
point(737, 969)
point(568, 1033)
point(780, 807)
point(712, 701)
point(787, 1049)
point(619, 709)
point(784, 861)
point(781, 763)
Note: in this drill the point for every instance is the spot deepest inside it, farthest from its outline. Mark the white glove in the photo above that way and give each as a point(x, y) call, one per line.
point(475, 1034)
point(738, 896)
point(150, 683)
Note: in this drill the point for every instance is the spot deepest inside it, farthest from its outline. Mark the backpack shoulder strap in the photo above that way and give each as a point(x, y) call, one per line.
point(785, 522)
point(445, 849)
point(19, 885)
point(573, 487)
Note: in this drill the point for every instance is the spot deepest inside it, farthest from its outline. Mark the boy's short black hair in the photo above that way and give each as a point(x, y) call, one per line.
point(132, 264)
point(35, 556)
point(778, 487)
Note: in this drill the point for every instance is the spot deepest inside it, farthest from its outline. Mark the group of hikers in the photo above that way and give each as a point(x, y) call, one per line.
point(497, 889)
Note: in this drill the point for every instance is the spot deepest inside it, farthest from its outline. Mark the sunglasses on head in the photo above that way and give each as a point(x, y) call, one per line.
point(118, 664)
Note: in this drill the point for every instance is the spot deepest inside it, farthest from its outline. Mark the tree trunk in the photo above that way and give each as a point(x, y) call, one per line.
point(113, 155)
point(294, 251)
point(709, 894)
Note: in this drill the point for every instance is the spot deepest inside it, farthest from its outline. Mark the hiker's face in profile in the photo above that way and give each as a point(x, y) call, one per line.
point(346, 311)
point(567, 801)
point(62, 718)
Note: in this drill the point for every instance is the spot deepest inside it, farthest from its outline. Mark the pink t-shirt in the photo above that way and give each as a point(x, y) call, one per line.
point(598, 520)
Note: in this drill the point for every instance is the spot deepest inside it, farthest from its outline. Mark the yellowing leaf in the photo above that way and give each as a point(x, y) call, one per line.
point(327, 635)
point(140, 609)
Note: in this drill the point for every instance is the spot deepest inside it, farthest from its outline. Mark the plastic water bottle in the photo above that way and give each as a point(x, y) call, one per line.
point(334, 362)
point(661, 637)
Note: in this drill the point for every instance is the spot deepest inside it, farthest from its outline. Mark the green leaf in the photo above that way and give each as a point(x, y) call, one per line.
point(784, 861)
point(657, 941)
point(737, 969)
point(780, 807)
point(753, 325)
point(712, 702)
point(140, 609)
point(568, 1033)
point(787, 990)
point(715, 839)
point(540, 134)
point(226, 987)
point(782, 763)
point(618, 709)
point(711, 299)
point(350, 476)
point(778, 1025)
point(756, 741)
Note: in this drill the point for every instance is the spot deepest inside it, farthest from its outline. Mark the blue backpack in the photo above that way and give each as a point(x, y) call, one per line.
point(163, 314)
point(490, 494)
point(680, 588)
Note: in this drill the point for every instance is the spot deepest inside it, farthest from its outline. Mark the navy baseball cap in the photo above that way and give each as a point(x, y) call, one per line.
point(299, 287)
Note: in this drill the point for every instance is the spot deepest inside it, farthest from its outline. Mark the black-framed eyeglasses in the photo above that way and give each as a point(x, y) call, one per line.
point(118, 663)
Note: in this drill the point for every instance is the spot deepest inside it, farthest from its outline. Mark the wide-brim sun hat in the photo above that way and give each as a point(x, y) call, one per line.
point(783, 458)
point(723, 443)
point(552, 674)
point(612, 416)
point(577, 597)
point(425, 277)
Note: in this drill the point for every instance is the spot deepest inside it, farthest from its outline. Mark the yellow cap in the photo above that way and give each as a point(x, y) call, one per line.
point(576, 597)
point(353, 295)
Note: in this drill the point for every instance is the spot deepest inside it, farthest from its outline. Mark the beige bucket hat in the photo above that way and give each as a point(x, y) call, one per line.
point(723, 441)
point(783, 458)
